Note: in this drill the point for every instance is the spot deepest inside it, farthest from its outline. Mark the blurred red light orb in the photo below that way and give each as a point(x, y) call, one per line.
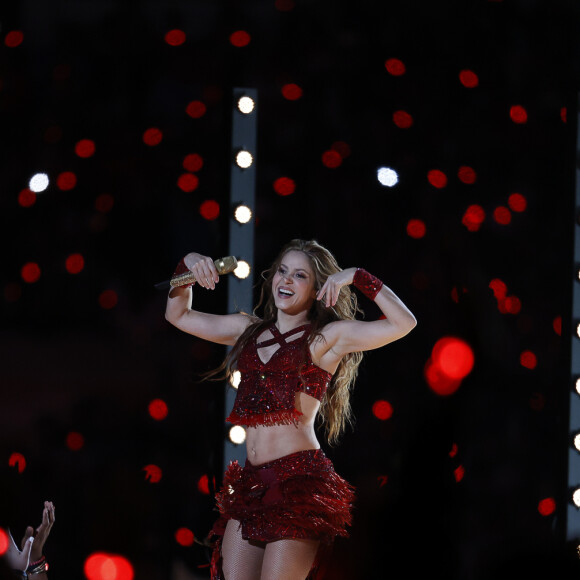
point(152, 136)
point(102, 566)
point(564, 114)
point(175, 37)
point(158, 409)
point(473, 217)
point(240, 38)
point(547, 506)
point(453, 356)
point(502, 215)
point(26, 198)
point(184, 537)
point(85, 148)
point(468, 78)
point(17, 460)
point(108, 299)
point(4, 542)
point(458, 473)
point(557, 325)
point(284, 186)
point(104, 202)
point(437, 178)
point(518, 114)
point(528, 359)
point(395, 67)
point(331, 159)
point(196, 109)
point(292, 92)
point(193, 162)
point(66, 181)
point(416, 229)
point(342, 148)
point(402, 119)
point(13, 38)
point(188, 182)
point(203, 484)
point(153, 473)
point(75, 441)
point(75, 263)
point(467, 174)
point(382, 410)
point(517, 202)
point(30, 272)
point(438, 381)
point(209, 209)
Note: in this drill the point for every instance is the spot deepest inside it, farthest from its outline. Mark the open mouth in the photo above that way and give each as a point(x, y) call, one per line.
point(285, 292)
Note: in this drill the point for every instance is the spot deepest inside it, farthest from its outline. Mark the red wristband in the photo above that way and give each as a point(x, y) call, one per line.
point(368, 284)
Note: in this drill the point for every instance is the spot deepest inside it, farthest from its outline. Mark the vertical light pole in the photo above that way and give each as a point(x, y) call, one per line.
point(241, 228)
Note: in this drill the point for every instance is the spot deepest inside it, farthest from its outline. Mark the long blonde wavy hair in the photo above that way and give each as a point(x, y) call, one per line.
point(335, 410)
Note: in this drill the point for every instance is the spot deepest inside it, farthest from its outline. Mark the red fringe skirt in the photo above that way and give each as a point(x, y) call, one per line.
point(296, 496)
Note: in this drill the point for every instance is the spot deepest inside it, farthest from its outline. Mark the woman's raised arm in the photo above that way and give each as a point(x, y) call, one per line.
point(345, 336)
point(219, 328)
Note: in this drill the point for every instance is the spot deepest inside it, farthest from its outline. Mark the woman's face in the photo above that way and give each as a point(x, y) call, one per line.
point(294, 283)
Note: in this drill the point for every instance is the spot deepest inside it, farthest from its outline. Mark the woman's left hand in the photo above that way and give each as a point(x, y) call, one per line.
point(331, 289)
point(41, 532)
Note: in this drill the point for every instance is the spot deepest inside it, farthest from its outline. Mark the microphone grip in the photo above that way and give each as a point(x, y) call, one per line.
point(222, 265)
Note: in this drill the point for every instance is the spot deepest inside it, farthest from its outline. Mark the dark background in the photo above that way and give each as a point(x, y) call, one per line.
point(101, 70)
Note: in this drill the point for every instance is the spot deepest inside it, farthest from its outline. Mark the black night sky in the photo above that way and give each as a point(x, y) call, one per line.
point(86, 352)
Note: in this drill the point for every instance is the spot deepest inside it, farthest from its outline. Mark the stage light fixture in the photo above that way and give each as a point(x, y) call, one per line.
point(237, 435)
point(577, 385)
point(387, 176)
point(244, 159)
point(243, 214)
point(235, 379)
point(578, 329)
point(576, 497)
point(246, 105)
point(38, 182)
point(576, 441)
point(243, 270)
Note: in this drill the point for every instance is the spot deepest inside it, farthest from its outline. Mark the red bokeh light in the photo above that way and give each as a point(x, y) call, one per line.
point(188, 182)
point(453, 356)
point(331, 159)
point(512, 304)
point(437, 178)
point(528, 359)
point(438, 381)
point(402, 119)
point(518, 114)
point(104, 202)
point(158, 409)
point(342, 148)
point(382, 410)
point(564, 114)
point(108, 299)
point(284, 186)
point(4, 542)
point(152, 136)
point(468, 79)
point(66, 181)
point(467, 174)
point(203, 484)
point(209, 209)
point(416, 228)
point(473, 217)
point(458, 473)
point(30, 272)
point(557, 325)
point(453, 451)
point(240, 38)
point(75, 263)
point(85, 148)
point(153, 473)
point(382, 479)
point(517, 202)
point(284, 5)
point(292, 92)
point(193, 162)
point(184, 537)
point(26, 198)
point(75, 441)
point(17, 460)
point(547, 506)
point(102, 566)
point(196, 109)
point(395, 67)
point(175, 37)
point(13, 38)
point(502, 215)
point(499, 288)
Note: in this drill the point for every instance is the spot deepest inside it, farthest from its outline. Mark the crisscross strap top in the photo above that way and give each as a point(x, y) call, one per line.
point(267, 390)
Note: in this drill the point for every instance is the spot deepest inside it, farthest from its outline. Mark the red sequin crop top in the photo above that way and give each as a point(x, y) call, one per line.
point(267, 390)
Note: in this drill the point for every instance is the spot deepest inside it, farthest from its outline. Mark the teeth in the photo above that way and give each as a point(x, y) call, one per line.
point(286, 292)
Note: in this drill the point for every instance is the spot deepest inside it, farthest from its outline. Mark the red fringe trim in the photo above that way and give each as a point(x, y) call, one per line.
point(286, 417)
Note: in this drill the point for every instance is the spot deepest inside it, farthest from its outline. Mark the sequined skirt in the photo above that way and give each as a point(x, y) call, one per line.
point(296, 496)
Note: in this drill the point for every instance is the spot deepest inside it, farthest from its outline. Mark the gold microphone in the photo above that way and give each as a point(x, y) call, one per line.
point(222, 265)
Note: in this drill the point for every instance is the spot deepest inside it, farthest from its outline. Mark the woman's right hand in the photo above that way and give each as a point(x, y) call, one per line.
point(203, 269)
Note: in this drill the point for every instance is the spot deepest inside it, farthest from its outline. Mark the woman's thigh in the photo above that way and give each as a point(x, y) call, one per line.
point(288, 559)
point(241, 560)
